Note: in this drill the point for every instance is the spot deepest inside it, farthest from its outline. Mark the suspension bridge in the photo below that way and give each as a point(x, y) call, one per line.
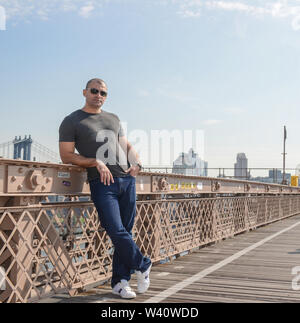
point(27, 149)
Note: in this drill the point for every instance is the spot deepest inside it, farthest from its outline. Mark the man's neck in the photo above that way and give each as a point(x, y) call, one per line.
point(90, 109)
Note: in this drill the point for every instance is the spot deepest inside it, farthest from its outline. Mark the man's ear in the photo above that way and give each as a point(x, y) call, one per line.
point(84, 92)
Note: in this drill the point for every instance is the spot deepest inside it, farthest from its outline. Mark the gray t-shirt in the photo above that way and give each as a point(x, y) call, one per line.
point(96, 136)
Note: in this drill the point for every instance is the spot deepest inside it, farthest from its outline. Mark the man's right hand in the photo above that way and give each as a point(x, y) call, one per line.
point(68, 156)
point(105, 174)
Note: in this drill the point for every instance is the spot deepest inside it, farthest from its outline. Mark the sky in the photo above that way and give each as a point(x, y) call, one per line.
point(229, 69)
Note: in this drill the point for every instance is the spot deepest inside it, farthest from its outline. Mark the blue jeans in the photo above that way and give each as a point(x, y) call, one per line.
point(116, 206)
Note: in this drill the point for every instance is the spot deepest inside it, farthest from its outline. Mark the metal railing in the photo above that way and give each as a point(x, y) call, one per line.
point(51, 239)
point(265, 175)
point(54, 247)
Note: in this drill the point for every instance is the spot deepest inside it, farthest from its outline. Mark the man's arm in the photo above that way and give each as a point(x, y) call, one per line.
point(68, 156)
point(132, 156)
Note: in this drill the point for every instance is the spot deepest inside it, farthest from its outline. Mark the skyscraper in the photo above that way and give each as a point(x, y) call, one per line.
point(190, 164)
point(241, 166)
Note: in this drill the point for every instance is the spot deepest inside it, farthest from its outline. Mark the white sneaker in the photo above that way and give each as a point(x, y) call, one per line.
point(143, 280)
point(123, 289)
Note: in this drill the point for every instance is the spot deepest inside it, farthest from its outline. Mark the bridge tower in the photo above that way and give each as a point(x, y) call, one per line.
point(22, 144)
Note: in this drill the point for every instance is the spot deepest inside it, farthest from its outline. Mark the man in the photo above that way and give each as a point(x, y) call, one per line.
point(105, 152)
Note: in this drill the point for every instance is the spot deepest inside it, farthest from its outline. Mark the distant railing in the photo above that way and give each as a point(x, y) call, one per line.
point(54, 247)
point(266, 175)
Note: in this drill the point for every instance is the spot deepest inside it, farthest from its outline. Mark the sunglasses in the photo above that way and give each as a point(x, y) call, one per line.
point(96, 91)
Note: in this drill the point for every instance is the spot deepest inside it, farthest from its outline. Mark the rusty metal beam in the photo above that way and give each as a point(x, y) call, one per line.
point(24, 178)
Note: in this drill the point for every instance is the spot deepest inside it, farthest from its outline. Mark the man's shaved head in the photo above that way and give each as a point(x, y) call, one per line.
point(101, 82)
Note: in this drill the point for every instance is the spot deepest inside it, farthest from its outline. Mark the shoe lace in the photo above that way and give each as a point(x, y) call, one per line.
point(142, 277)
point(126, 287)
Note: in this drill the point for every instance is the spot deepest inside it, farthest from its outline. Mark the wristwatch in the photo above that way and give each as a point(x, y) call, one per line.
point(140, 166)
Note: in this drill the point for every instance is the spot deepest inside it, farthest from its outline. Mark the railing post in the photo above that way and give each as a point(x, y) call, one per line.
point(21, 244)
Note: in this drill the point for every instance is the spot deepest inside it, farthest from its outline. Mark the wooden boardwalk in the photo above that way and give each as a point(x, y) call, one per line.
point(252, 267)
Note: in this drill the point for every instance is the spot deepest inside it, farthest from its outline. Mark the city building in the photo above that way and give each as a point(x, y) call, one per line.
point(241, 166)
point(275, 176)
point(190, 164)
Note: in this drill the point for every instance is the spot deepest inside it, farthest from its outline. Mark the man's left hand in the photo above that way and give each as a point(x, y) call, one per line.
point(133, 170)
